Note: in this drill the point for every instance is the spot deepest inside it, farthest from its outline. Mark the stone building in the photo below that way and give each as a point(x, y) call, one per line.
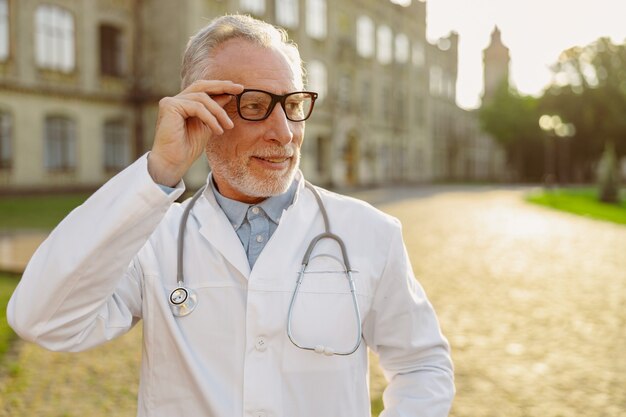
point(80, 82)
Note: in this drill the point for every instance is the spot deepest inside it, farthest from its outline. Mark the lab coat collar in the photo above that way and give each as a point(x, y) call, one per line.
point(217, 230)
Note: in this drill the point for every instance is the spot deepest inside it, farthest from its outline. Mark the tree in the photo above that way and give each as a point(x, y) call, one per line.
point(512, 119)
point(589, 89)
point(608, 176)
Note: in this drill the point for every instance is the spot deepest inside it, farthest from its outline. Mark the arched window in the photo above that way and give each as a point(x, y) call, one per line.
point(116, 145)
point(384, 39)
point(316, 18)
point(287, 13)
point(60, 144)
point(402, 48)
point(317, 78)
point(418, 54)
point(55, 38)
point(6, 140)
point(365, 36)
point(4, 30)
point(253, 6)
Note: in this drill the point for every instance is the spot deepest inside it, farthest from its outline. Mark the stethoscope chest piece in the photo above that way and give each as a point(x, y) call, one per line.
point(182, 300)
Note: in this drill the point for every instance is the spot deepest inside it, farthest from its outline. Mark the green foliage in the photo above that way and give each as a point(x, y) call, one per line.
point(583, 202)
point(36, 212)
point(590, 91)
point(7, 285)
point(509, 116)
point(377, 406)
point(512, 119)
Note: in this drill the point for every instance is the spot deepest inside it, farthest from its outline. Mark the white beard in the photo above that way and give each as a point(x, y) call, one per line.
point(237, 173)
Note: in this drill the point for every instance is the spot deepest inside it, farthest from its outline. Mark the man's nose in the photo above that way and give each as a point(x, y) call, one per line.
point(280, 128)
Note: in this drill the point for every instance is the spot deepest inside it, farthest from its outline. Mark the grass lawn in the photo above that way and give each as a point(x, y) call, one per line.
point(582, 201)
point(36, 212)
point(7, 285)
point(28, 212)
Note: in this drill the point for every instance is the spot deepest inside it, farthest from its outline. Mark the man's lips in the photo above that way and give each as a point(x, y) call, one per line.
point(273, 159)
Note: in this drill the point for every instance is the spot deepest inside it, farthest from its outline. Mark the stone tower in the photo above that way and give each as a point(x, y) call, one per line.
point(496, 61)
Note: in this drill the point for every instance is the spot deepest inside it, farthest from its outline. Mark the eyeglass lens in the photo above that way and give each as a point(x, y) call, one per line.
point(256, 105)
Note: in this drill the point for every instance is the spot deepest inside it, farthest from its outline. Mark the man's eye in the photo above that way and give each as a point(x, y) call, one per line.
point(252, 108)
point(294, 105)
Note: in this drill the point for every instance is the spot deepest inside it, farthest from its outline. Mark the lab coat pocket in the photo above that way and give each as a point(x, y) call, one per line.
point(324, 314)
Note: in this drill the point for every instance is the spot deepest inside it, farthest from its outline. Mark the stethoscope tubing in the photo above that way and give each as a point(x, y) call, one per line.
point(188, 300)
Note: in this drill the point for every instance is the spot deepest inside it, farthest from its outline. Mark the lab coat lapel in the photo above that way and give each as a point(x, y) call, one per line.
point(217, 230)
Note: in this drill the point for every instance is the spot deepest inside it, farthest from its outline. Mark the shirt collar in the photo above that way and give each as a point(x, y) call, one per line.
point(236, 210)
point(274, 206)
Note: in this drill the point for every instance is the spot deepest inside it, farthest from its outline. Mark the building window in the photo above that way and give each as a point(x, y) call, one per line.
point(366, 98)
point(418, 54)
point(402, 48)
point(116, 145)
point(253, 6)
point(60, 144)
point(4, 30)
point(55, 38)
point(317, 78)
point(287, 13)
point(385, 101)
point(384, 39)
point(420, 110)
point(435, 81)
point(6, 151)
point(365, 36)
point(112, 60)
point(316, 18)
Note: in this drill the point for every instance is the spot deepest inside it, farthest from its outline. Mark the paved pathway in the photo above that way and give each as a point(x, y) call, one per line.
point(532, 301)
point(16, 248)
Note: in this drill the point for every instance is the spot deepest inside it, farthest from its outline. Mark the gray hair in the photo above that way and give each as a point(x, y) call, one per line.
point(200, 48)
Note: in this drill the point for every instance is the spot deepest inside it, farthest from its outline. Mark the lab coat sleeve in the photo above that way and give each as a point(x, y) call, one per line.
point(82, 286)
point(403, 330)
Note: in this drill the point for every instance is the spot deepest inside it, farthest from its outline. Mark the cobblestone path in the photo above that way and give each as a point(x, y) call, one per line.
point(533, 302)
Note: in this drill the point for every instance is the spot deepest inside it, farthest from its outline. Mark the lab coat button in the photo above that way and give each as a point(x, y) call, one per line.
point(261, 344)
point(260, 414)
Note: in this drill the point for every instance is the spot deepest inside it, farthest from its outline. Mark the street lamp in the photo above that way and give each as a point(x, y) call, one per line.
point(554, 127)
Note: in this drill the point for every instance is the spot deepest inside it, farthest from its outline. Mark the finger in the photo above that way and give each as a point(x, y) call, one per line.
point(214, 104)
point(192, 108)
point(214, 87)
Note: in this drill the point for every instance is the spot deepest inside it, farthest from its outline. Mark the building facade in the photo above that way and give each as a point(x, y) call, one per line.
point(80, 82)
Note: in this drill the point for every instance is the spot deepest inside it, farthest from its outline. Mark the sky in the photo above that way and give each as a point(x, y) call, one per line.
point(535, 31)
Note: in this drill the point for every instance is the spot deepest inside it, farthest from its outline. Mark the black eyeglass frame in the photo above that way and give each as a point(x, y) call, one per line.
point(276, 98)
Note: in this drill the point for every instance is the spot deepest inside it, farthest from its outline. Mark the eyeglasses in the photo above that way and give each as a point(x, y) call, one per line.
point(257, 105)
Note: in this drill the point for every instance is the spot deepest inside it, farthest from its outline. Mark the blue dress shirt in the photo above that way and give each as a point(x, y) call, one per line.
point(255, 223)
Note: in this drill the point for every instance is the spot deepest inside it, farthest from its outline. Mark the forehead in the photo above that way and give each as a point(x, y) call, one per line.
point(255, 66)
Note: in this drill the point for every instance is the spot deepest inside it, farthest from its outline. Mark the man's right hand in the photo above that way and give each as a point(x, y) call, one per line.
point(185, 123)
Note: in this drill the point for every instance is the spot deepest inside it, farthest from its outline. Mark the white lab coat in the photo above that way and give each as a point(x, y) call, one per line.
point(112, 261)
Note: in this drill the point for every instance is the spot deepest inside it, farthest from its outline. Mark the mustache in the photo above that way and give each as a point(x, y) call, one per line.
point(287, 151)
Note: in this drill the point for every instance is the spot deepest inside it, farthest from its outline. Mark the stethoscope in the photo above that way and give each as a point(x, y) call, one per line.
point(183, 300)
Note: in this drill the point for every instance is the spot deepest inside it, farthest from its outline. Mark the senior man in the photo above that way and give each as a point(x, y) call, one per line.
point(242, 315)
